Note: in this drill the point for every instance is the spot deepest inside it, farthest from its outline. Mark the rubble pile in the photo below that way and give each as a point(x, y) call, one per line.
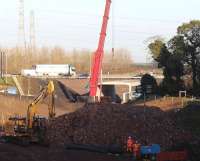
point(189, 120)
point(107, 124)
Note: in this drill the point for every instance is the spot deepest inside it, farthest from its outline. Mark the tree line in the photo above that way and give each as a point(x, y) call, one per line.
point(118, 62)
point(179, 58)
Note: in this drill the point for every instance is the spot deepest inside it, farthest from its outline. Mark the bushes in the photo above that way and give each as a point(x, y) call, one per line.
point(170, 86)
point(149, 81)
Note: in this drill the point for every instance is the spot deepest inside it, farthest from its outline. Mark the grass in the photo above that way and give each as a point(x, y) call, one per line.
point(7, 81)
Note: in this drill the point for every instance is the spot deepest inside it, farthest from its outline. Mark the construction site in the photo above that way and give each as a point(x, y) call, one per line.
point(53, 112)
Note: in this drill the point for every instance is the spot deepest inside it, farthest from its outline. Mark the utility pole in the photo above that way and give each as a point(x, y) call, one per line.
point(32, 32)
point(21, 27)
point(2, 64)
point(6, 67)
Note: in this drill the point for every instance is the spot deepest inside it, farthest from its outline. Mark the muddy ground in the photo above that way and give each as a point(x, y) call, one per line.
point(10, 152)
point(13, 105)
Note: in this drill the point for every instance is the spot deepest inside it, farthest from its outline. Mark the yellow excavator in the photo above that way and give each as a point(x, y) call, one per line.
point(32, 128)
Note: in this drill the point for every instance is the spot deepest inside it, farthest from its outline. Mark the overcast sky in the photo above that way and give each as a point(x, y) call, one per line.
point(76, 23)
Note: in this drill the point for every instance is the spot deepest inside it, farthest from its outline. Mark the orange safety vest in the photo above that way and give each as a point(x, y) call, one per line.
point(130, 143)
point(136, 149)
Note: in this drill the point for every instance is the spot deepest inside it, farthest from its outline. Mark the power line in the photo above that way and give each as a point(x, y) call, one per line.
point(114, 29)
point(32, 31)
point(96, 25)
point(118, 17)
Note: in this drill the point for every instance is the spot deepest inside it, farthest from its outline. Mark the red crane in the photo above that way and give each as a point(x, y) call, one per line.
point(98, 55)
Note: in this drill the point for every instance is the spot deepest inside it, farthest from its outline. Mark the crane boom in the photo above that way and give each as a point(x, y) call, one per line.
point(98, 55)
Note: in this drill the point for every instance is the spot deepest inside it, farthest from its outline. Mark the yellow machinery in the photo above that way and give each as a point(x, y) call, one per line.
point(32, 128)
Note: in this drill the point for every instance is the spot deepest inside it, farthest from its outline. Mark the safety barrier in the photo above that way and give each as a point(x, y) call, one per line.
point(172, 156)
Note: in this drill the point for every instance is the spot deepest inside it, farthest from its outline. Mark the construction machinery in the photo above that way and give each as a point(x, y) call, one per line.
point(32, 128)
point(98, 55)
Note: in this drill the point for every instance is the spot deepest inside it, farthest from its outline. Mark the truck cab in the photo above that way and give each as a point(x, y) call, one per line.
point(72, 71)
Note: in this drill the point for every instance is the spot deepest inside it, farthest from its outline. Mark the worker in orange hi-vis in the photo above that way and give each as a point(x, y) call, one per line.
point(136, 150)
point(130, 143)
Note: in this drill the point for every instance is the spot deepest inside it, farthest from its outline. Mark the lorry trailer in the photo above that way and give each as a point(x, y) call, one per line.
point(51, 70)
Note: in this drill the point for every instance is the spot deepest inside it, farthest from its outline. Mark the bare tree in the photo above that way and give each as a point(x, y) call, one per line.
point(120, 62)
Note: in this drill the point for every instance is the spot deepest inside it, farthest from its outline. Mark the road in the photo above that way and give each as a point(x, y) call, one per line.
point(106, 77)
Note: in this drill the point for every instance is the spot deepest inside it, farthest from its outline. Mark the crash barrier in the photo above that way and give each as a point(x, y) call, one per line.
point(172, 156)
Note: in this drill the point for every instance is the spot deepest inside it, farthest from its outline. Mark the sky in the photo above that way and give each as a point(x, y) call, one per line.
point(76, 24)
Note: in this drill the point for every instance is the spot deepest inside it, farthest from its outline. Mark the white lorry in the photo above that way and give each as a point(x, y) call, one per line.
point(51, 70)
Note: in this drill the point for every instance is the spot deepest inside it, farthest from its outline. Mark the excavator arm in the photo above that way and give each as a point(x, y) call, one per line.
point(32, 108)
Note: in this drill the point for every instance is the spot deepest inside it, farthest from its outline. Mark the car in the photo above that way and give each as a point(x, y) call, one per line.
point(83, 76)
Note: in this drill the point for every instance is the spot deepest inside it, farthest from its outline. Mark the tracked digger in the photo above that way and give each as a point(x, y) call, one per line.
point(32, 128)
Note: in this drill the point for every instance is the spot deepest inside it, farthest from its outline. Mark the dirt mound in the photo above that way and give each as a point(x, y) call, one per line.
point(65, 97)
point(13, 104)
point(110, 124)
point(188, 119)
point(78, 85)
point(31, 85)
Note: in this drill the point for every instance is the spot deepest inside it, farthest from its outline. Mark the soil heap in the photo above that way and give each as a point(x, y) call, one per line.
point(107, 124)
point(189, 120)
